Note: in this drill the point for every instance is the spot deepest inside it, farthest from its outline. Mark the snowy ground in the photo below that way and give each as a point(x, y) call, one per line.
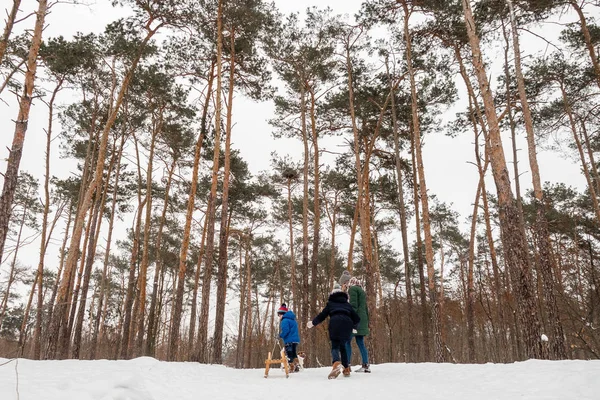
point(149, 379)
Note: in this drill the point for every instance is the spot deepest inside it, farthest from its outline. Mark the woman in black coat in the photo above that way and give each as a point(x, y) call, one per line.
point(342, 320)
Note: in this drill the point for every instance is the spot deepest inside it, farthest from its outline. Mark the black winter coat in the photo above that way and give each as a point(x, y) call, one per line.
point(342, 316)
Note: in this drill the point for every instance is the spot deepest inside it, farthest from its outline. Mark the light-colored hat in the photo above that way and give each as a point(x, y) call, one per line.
point(344, 278)
point(336, 288)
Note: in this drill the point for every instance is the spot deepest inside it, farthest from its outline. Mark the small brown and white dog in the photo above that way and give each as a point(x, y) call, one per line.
point(301, 357)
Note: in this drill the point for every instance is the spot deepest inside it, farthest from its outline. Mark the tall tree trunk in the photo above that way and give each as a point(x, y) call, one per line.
point(96, 225)
point(590, 152)
point(515, 246)
point(204, 229)
point(316, 215)
point(158, 269)
point(332, 215)
point(438, 344)
point(89, 262)
point(409, 349)
point(73, 299)
point(513, 132)
point(419, 250)
point(239, 353)
point(97, 317)
point(225, 214)
point(362, 174)
point(178, 297)
point(13, 267)
point(477, 118)
point(128, 319)
point(304, 315)
point(586, 171)
point(37, 345)
point(353, 227)
point(60, 314)
point(587, 37)
point(16, 151)
point(292, 255)
point(195, 290)
point(10, 23)
point(248, 294)
point(546, 260)
point(142, 276)
point(211, 206)
point(69, 271)
point(472, 357)
point(45, 354)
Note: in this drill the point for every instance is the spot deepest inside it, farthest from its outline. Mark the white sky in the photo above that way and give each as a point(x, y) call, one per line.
point(448, 173)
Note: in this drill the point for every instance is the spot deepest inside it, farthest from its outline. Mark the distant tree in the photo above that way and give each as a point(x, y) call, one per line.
point(16, 151)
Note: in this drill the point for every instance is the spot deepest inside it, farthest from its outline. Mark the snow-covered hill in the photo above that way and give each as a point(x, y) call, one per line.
point(149, 379)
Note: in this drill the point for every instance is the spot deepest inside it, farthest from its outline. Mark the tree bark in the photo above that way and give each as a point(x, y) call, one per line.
point(128, 320)
point(142, 276)
point(16, 151)
point(419, 250)
point(292, 255)
point(515, 246)
point(89, 262)
point(546, 260)
point(410, 329)
point(10, 23)
point(61, 311)
point(203, 240)
point(225, 214)
point(37, 345)
point(211, 206)
point(438, 344)
point(152, 319)
point(46, 354)
point(587, 37)
point(586, 171)
point(97, 317)
point(305, 301)
point(316, 215)
point(12, 273)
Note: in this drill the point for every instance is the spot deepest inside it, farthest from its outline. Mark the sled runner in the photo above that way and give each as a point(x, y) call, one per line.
point(283, 361)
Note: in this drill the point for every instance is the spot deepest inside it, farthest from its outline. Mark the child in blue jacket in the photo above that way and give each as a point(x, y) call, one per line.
point(289, 334)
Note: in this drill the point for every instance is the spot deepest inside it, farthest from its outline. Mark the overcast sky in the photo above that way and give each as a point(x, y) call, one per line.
point(448, 173)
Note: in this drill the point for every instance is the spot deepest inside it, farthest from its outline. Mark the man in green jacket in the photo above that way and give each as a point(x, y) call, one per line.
point(358, 300)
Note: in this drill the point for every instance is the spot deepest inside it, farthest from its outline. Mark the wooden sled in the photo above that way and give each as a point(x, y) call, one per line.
point(283, 361)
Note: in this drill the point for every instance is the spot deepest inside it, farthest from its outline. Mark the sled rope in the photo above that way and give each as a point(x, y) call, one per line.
point(276, 345)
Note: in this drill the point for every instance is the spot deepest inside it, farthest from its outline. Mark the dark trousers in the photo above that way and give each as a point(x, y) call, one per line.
point(290, 351)
point(337, 348)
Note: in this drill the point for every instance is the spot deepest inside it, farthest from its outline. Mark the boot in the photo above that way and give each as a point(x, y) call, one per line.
point(336, 370)
point(346, 371)
point(296, 365)
point(364, 368)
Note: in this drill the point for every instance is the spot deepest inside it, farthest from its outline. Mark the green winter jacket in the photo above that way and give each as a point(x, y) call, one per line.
point(358, 300)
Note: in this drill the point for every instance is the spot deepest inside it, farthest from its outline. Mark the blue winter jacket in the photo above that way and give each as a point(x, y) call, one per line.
point(289, 328)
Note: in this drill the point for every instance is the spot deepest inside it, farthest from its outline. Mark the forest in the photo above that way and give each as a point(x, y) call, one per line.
point(160, 241)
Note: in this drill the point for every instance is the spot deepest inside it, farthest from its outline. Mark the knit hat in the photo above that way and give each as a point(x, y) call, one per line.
point(336, 288)
point(283, 309)
point(354, 281)
point(344, 278)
